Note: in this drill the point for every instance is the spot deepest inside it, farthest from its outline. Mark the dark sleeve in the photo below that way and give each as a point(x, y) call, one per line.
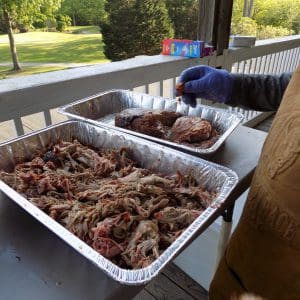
point(258, 92)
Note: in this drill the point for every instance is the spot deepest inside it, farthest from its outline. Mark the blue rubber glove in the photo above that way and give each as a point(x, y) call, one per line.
point(204, 82)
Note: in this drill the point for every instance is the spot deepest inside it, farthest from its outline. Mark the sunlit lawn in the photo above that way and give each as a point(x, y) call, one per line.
point(6, 72)
point(83, 46)
point(83, 29)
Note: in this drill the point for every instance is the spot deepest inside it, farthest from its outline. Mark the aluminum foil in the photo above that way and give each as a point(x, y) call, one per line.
point(150, 155)
point(101, 109)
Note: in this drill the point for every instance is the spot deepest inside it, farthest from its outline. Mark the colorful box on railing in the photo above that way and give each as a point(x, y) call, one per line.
point(186, 48)
point(208, 50)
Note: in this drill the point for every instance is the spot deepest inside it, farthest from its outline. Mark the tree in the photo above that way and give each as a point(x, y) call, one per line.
point(274, 13)
point(277, 13)
point(84, 12)
point(152, 26)
point(271, 17)
point(184, 16)
point(13, 49)
point(21, 12)
point(118, 29)
point(134, 27)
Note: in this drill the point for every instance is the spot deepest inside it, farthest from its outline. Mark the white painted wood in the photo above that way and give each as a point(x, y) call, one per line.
point(256, 118)
point(295, 58)
point(47, 116)
point(40, 92)
point(280, 62)
point(18, 126)
point(284, 63)
point(224, 236)
point(257, 64)
point(161, 88)
point(277, 55)
point(273, 63)
point(265, 47)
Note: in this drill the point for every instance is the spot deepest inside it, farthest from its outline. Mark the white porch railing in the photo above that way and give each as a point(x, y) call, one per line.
point(28, 103)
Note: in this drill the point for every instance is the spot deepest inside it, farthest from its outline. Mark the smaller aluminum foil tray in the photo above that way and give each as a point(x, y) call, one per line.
point(150, 155)
point(101, 109)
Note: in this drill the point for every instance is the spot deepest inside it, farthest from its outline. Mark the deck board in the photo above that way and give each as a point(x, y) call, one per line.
point(175, 274)
point(163, 288)
point(144, 295)
point(172, 284)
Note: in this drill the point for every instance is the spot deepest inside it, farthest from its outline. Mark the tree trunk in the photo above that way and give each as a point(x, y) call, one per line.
point(13, 49)
point(250, 8)
point(74, 19)
point(245, 10)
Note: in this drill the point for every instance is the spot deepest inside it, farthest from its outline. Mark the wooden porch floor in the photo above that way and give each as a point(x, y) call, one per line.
point(30, 123)
point(172, 284)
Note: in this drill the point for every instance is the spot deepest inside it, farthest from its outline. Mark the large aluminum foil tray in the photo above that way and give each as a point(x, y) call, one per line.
point(149, 155)
point(101, 109)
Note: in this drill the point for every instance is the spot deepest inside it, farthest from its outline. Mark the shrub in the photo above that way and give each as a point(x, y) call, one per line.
point(268, 32)
point(62, 21)
point(153, 25)
point(134, 27)
point(40, 21)
point(244, 26)
point(50, 24)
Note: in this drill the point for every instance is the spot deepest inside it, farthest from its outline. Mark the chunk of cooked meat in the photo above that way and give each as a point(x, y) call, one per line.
point(176, 218)
point(168, 125)
point(143, 246)
point(191, 130)
point(154, 123)
point(126, 213)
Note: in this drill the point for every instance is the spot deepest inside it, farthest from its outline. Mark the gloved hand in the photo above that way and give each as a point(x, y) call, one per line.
point(204, 82)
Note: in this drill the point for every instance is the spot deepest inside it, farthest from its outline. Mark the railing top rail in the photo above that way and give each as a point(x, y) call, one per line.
point(36, 80)
point(49, 90)
point(264, 47)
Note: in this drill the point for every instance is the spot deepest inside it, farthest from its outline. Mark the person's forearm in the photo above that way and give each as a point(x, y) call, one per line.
point(258, 92)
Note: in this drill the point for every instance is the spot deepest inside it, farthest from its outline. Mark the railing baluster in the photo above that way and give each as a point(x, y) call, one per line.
point(250, 66)
point(237, 67)
point(161, 88)
point(285, 59)
point(47, 116)
point(272, 63)
point(282, 62)
point(172, 88)
point(19, 126)
point(244, 66)
point(256, 65)
point(262, 64)
point(278, 69)
point(291, 60)
point(265, 65)
point(297, 58)
point(294, 62)
point(277, 57)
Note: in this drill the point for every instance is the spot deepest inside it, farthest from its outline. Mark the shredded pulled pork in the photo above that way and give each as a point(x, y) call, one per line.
point(126, 213)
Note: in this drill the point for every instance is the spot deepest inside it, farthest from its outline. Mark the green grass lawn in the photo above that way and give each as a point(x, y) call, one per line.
point(6, 72)
point(80, 44)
